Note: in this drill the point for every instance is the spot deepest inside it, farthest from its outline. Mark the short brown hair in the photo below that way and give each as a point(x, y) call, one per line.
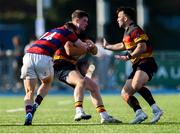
point(79, 14)
point(129, 11)
point(70, 25)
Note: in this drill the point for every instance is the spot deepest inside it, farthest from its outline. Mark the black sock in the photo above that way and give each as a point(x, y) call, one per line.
point(38, 99)
point(28, 109)
point(146, 94)
point(133, 102)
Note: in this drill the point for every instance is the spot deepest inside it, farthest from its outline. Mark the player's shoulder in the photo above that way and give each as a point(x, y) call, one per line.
point(58, 28)
point(135, 30)
point(135, 27)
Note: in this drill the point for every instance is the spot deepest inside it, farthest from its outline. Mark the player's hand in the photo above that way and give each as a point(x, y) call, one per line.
point(92, 49)
point(122, 57)
point(89, 42)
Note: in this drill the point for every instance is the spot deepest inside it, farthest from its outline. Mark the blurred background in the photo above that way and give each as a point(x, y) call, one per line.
point(22, 21)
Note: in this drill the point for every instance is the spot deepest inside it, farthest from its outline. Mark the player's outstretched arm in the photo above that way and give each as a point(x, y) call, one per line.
point(113, 47)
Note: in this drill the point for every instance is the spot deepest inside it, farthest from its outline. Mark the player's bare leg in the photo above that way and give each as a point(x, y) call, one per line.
point(75, 78)
point(138, 82)
point(157, 112)
point(29, 85)
point(98, 103)
point(42, 92)
point(127, 95)
point(96, 97)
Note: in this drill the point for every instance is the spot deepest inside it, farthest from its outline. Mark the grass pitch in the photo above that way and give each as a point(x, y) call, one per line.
point(56, 114)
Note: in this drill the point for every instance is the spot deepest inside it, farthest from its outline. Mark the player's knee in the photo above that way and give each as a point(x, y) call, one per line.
point(29, 95)
point(91, 85)
point(136, 86)
point(82, 83)
point(94, 87)
point(47, 81)
point(124, 95)
point(46, 85)
point(30, 92)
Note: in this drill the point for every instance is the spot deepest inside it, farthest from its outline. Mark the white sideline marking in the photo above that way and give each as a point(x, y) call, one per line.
point(22, 109)
point(14, 110)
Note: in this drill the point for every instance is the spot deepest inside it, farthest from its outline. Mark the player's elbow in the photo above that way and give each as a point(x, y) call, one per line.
point(68, 47)
point(68, 51)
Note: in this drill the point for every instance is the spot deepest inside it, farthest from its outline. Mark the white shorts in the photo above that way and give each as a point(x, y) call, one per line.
point(37, 66)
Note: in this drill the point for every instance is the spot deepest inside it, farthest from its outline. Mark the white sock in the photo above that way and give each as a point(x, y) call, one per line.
point(79, 110)
point(104, 115)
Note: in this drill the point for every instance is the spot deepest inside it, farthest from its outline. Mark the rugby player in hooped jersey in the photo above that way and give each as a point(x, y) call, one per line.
point(139, 51)
point(67, 72)
point(38, 64)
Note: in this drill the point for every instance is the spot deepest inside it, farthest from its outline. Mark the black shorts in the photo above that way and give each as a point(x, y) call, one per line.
point(147, 65)
point(82, 65)
point(62, 69)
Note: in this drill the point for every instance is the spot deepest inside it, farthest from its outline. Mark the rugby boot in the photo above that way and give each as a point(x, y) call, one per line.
point(140, 117)
point(109, 119)
point(81, 116)
point(157, 115)
point(28, 119)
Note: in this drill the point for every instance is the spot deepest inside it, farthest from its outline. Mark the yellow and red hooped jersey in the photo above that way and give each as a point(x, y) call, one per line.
point(132, 36)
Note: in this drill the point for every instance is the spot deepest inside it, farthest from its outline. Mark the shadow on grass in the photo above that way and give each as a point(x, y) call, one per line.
point(54, 124)
point(88, 124)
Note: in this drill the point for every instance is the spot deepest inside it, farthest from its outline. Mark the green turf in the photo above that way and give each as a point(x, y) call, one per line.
point(56, 114)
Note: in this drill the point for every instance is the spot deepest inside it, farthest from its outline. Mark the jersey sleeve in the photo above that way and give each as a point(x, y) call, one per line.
point(72, 37)
point(138, 35)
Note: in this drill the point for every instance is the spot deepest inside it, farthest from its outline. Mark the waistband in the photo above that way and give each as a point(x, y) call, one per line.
point(57, 57)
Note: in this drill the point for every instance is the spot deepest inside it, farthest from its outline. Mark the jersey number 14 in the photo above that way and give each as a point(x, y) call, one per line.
point(48, 37)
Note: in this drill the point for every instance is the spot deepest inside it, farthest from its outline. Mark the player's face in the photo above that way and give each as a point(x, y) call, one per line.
point(82, 23)
point(121, 19)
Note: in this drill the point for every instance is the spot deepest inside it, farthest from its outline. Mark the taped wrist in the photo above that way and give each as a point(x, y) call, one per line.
point(129, 56)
